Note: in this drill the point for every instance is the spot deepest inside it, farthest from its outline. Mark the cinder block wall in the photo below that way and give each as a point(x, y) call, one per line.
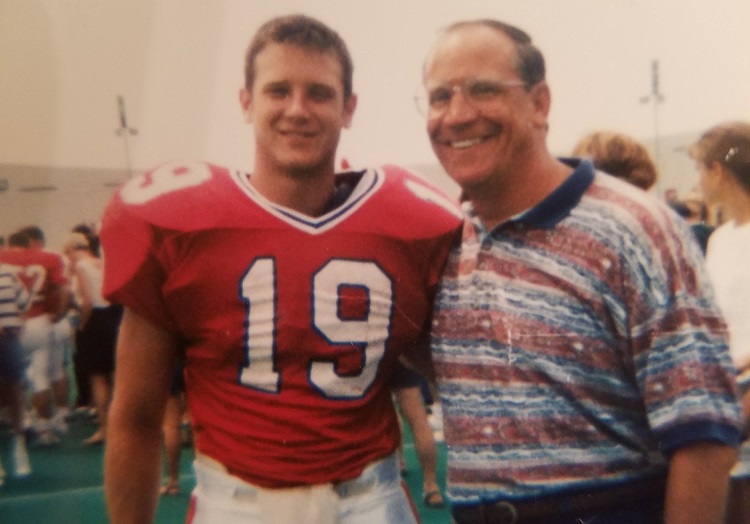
point(55, 199)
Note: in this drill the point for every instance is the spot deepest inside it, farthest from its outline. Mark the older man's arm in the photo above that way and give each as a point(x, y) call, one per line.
point(698, 483)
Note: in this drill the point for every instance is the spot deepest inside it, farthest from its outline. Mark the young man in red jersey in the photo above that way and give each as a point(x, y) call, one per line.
point(288, 293)
point(43, 274)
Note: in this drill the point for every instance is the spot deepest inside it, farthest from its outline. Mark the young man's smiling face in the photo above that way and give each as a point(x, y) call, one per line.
point(297, 107)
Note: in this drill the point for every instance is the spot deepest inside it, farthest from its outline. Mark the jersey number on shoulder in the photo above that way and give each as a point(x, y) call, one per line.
point(166, 178)
point(367, 333)
point(33, 278)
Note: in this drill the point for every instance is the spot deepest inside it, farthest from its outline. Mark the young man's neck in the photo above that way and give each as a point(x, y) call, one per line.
point(309, 193)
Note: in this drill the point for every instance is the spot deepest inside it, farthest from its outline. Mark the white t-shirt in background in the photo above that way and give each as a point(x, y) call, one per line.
point(728, 263)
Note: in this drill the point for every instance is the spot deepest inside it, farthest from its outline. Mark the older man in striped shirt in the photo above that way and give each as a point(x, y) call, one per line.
point(581, 361)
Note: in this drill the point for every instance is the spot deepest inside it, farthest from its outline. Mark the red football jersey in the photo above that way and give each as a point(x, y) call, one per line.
point(42, 272)
point(292, 324)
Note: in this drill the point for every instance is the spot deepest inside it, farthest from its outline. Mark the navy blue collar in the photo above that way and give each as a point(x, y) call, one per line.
point(558, 204)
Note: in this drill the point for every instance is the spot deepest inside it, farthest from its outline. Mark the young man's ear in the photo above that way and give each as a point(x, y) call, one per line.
point(350, 104)
point(246, 102)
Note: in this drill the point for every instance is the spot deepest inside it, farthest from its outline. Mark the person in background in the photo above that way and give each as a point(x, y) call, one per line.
point(84, 403)
point(288, 293)
point(91, 236)
point(96, 332)
point(172, 429)
point(620, 156)
point(61, 337)
point(722, 156)
point(582, 364)
point(694, 210)
point(410, 402)
point(13, 301)
point(42, 273)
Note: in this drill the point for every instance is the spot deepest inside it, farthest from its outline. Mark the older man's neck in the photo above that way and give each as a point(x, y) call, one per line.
point(516, 191)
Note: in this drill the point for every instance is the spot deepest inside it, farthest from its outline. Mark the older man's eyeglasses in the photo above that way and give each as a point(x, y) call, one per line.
point(481, 94)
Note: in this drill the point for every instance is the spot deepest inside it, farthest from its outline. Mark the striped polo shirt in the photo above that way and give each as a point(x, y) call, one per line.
point(577, 345)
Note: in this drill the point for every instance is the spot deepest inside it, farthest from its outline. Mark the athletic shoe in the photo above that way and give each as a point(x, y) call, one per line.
point(78, 412)
point(435, 419)
point(47, 438)
point(21, 457)
point(30, 434)
point(95, 439)
point(58, 424)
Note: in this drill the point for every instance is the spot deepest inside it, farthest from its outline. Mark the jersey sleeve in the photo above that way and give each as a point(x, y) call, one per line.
point(133, 275)
point(174, 197)
point(420, 208)
point(426, 215)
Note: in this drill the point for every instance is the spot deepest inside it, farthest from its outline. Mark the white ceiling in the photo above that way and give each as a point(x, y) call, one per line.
point(178, 64)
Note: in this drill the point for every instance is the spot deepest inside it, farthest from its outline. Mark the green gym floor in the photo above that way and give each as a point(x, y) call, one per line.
point(65, 486)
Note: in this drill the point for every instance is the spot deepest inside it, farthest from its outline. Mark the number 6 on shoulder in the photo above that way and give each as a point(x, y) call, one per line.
point(164, 179)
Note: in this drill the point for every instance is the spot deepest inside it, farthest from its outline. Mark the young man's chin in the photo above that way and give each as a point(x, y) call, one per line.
point(306, 167)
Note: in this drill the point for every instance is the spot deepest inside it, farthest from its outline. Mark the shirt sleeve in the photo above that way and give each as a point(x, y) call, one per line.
point(679, 339)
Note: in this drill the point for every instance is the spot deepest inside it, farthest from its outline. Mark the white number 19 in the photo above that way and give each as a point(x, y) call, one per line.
point(369, 334)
